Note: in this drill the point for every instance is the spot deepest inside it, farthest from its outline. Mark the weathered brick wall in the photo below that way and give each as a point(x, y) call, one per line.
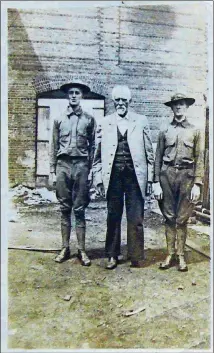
point(156, 50)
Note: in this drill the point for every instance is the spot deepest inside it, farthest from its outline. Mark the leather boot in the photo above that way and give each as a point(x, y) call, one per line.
point(63, 255)
point(84, 259)
point(181, 241)
point(112, 263)
point(66, 232)
point(182, 266)
point(170, 240)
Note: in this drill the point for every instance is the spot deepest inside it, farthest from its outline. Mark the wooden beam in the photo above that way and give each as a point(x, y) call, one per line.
point(192, 245)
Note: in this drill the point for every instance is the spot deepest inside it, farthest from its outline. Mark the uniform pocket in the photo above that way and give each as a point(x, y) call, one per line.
point(64, 129)
point(170, 149)
point(64, 133)
point(170, 141)
point(188, 144)
point(64, 137)
point(81, 140)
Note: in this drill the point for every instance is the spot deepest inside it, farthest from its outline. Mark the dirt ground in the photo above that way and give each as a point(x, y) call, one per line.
point(62, 306)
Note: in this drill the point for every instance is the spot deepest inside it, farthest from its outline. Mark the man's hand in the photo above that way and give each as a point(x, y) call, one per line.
point(52, 179)
point(100, 190)
point(149, 188)
point(158, 192)
point(195, 193)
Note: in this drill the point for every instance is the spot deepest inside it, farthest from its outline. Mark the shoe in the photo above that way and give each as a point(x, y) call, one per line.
point(63, 255)
point(169, 262)
point(182, 266)
point(137, 264)
point(112, 263)
point(84, 259)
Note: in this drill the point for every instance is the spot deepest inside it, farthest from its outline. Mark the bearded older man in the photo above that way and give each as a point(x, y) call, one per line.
point(123, 166)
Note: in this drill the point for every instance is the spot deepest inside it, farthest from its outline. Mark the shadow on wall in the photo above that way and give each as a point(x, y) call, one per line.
point(23, 65)
point(149, 28)
point(144, 59)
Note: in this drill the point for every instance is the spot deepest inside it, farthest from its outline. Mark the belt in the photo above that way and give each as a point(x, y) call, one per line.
point(179, 166)
point(67, 157)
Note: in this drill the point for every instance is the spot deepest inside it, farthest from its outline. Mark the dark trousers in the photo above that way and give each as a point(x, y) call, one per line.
point(124, 182)
point(176, 205)
point(72, 189)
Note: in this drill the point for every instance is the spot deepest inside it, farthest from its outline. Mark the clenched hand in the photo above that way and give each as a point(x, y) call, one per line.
point(195, 193)
point(158, 192)
point(100, 190)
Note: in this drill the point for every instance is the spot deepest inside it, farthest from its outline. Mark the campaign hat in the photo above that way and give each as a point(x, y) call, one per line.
point(76, 83)
point(178, 97)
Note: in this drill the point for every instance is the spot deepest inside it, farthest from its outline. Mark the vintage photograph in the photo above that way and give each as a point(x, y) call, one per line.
point(107, 237)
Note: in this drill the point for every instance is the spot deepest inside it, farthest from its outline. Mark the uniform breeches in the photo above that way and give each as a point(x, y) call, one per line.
point(72, 189)
point(176, 205)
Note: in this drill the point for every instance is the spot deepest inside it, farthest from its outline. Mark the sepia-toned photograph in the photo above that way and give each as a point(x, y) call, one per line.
point(107, 154)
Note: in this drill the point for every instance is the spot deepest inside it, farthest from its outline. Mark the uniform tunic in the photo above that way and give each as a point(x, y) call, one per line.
point(73, 135)
point(71, 156)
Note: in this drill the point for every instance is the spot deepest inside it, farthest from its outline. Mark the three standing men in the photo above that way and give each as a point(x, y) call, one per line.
point(178, 177)
point(71, 157)
point(123, 164)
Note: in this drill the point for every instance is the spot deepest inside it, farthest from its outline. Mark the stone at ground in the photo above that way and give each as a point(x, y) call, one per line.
point(33, 196)
point(67, 297)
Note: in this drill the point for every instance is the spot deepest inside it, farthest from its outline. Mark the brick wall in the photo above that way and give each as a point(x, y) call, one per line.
point(156, 50)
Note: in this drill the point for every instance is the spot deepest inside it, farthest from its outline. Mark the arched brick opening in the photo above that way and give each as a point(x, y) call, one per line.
point(51, 104)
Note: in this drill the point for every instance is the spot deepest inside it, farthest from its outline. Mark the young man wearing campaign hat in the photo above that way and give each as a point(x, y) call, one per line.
point(71, 156)
point(178, 177)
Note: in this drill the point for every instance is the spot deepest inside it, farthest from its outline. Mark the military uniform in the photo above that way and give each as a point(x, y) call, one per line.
point(71, 156)
point(178, 166)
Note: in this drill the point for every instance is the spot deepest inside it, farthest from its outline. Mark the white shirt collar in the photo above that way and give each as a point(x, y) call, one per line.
point(180, 121)
point(126, 117)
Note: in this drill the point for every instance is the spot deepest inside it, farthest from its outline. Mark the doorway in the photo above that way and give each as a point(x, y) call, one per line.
point(49, 106)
